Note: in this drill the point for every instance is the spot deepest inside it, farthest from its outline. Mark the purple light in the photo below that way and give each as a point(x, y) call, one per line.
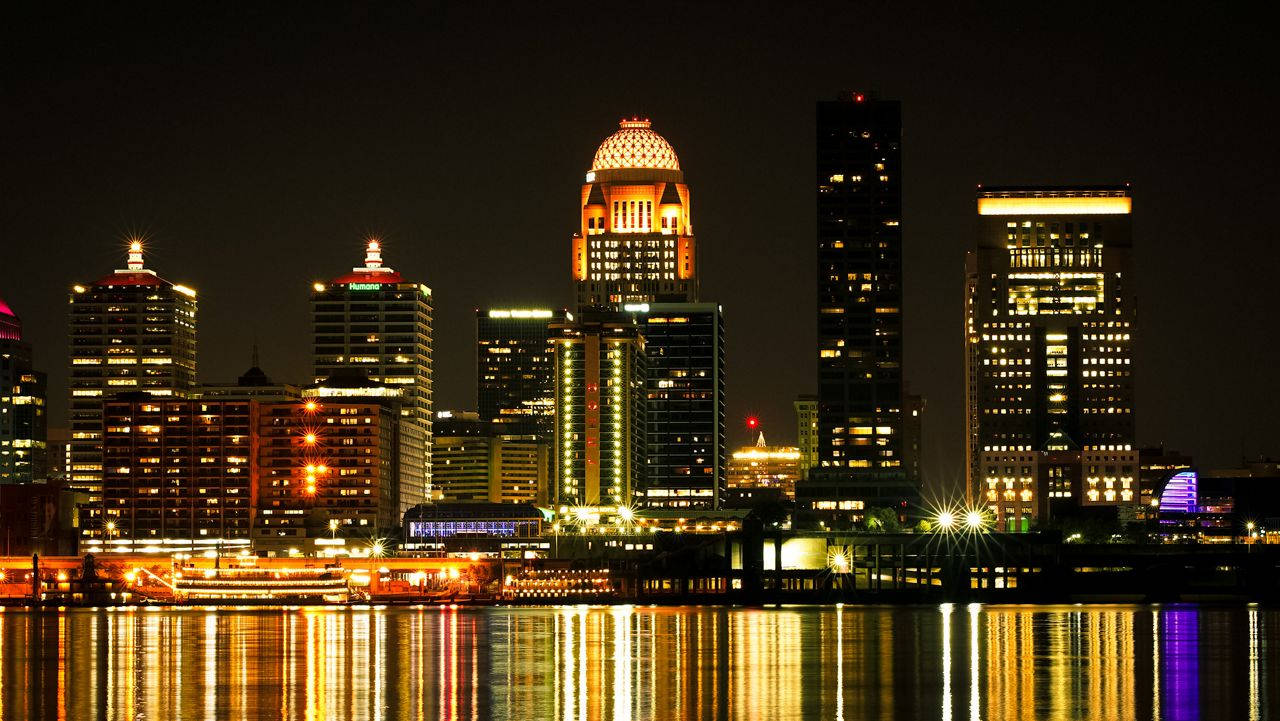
point(1179, 495)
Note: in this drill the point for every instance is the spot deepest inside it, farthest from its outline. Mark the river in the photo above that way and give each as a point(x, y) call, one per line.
point(948, 662)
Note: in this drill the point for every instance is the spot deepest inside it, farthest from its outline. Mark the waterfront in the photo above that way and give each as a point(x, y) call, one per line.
point(627, 662)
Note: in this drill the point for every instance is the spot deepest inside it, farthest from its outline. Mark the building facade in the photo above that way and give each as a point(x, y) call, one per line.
point(131, 331)
point(328, 468)
point(600, 411)
point(492, 468)
point(859, 208)
point(1049, 323)
point(378, 324)
point(635, 243)
point(807, 432)
point(686, 454)
point(24, 454)
point(515, 368)
point(178, 473)
point(765, 466)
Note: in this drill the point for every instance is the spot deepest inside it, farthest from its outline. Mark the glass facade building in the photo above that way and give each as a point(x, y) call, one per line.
point(684, 387)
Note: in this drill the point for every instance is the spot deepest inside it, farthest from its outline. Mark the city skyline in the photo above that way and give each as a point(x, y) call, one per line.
point(223, 240)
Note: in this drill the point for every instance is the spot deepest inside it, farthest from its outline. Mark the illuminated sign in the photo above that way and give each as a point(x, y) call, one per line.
point(1050, 205)
point(365, 286)
point(520, 314)
point(636, 307)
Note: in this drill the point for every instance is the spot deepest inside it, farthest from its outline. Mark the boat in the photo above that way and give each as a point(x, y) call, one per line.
point(249, 584)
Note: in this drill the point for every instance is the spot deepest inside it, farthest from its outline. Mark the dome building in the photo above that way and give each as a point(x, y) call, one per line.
point(635, 243)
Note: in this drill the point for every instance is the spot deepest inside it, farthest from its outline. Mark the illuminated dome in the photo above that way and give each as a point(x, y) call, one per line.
point(635, 145)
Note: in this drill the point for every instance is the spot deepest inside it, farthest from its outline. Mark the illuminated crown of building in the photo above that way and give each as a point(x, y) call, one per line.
point(635, 145)
point(135, 263)
point(373, 258)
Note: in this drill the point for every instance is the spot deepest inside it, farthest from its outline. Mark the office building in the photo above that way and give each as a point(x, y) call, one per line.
point(1049, 323)
point(764, 466)
point(131, 331)
point(858, 187)
point(635, 243)
point(807, 432)
point(329, 469)
point(685, 445)
point(515, 369)
point(476, 462)
point(859, 207)
point(23, 411)
point(378, 324)
point(178, 474)
point(600, 411)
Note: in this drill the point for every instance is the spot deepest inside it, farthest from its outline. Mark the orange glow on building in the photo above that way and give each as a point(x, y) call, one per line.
point(635, 240)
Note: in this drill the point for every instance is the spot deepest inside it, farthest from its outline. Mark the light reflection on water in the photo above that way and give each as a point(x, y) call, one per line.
point(627, 663)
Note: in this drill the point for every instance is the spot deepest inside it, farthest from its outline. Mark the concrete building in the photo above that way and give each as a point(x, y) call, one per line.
point(600, 411)
point(475, 462)
point(1049, 324)
point(178, 474)
point(375, 322)
point(131, 331)
point(765, 466)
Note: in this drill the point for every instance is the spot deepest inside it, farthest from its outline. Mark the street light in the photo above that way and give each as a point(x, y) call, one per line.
point(973, 520)
point(333, 528)
point(946, 520)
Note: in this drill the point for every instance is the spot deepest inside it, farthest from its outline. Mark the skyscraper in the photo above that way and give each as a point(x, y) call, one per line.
point(600, 411)
point(515, 368)
point(23, 416)
point(859, 207)
point(635, 243)
point(1049, 322)
point(130, 331)
point(376, 323)
point(685, 447)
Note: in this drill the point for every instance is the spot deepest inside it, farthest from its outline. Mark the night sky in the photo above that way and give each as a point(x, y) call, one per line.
point(256, 147)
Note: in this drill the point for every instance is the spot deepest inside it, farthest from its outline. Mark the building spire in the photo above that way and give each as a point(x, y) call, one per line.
point(373, 254)
point(373, 258)
point(254, 362)
point(135, 255)
point(760, 441)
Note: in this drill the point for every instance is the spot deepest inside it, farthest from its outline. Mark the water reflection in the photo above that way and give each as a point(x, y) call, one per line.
point(624, 663)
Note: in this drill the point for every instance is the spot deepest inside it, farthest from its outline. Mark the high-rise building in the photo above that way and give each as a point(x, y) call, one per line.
point(807, 432)
point(373, 321)
point(178, 473)
point(685, 446)
point(765, 466)
point(130, 331)
point(23, 415)
point(329, 467)
point(859, 215)
point(859, 205)
point(476, 462)
point(600, 411)
point(515, 368)
point(1049, 323)
point(635, 243)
